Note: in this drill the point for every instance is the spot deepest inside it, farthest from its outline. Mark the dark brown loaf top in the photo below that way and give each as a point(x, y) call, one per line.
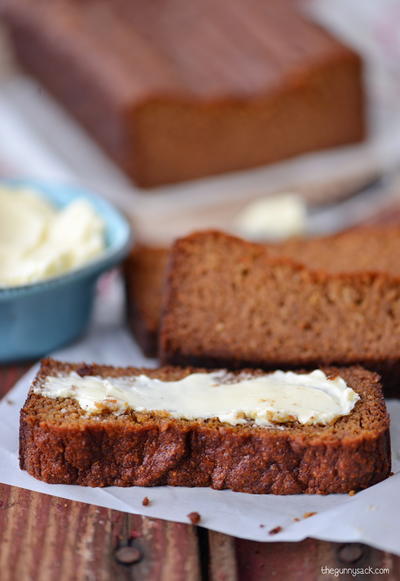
point(60, 444)
point(144, 272)
point(233, 303)
point(170, 96)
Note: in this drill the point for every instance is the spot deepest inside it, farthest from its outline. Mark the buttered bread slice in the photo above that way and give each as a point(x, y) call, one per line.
point(251, 431)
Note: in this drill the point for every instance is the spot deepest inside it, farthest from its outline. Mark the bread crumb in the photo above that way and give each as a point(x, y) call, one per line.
point(275, 531)
point(146, 501)
point(308, 514)
point(296, 519)
point(194, 518)
point(84, 370)
point(352, 492)
point(262, 526)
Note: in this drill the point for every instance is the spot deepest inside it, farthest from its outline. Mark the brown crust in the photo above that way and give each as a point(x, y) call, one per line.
point(352, 454)
point(144, 281)
point(319, 274)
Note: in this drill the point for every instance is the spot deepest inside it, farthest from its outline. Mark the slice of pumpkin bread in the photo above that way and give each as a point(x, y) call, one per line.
point(61, 443)
point(332, 300)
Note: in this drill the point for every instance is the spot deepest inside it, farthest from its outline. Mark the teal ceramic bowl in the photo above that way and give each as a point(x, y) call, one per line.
point(37, 318)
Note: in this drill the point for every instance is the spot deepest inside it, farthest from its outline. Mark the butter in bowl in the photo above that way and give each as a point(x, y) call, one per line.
point(55, 242)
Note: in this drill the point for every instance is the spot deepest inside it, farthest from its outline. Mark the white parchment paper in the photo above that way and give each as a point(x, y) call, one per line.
point(371, 516)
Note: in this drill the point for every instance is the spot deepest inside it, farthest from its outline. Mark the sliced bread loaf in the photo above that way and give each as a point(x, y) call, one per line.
point(61, 443)
point(326, 301)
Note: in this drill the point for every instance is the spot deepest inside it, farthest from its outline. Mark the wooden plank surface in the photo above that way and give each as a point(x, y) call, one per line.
point(44, 538)
point(48, 538)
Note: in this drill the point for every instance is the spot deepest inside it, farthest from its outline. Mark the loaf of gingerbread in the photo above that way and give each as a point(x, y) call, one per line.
point(75, 430)
point(179, 90)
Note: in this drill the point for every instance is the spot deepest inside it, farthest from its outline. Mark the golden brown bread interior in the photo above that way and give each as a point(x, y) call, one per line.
point(334, 300)
point(60, 444)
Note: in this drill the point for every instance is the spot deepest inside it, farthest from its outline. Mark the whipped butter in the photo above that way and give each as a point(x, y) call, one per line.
point(39, 241)
point(273, 217)
point(279, 397)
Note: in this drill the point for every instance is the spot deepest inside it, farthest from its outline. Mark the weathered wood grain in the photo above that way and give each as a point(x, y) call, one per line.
point(222, 557)
point(294, 561)
point(306, 560)
point(47, 538)
point(9, 375)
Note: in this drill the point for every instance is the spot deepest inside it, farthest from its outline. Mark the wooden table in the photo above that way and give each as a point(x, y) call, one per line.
point(46, 538)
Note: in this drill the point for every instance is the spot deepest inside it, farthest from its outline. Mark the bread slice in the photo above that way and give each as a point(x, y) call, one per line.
point(333, 300)
point(60, 444)
point(144, 272)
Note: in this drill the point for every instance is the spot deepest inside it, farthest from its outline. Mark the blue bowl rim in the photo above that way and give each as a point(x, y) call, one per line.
point(109, 258)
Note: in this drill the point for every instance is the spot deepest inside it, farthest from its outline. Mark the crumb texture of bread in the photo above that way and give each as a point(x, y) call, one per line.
point(144, 274)
point(60, 444)
point(170, 102)
point(334, 300)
